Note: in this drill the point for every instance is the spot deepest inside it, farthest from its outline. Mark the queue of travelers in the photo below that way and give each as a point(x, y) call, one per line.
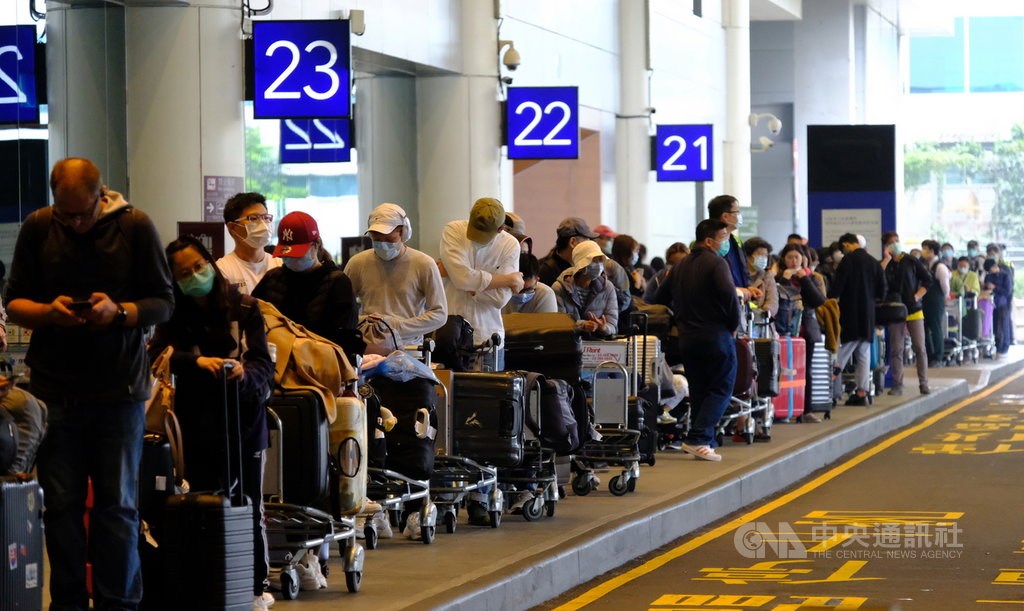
point(108, 277)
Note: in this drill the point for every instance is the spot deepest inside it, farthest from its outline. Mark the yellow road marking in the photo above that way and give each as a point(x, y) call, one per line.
point(657, 562)
point(1002, 602)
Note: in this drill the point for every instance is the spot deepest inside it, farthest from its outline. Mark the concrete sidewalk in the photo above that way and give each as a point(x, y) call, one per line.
point(522, 564)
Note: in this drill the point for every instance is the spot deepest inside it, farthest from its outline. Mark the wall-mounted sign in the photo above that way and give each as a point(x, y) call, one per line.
point(210, 235)
point(315, 141)
point(543, 123)
point(217, 190)
point(18, 102)
point(302, 69)
point(684, 153)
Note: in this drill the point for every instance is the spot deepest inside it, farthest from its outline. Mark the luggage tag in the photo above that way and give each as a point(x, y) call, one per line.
point(423, 428)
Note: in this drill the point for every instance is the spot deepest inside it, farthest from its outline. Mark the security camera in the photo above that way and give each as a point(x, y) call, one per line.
point(507, 80)
point(511, 57)
point(764, 143)
point(774, 126)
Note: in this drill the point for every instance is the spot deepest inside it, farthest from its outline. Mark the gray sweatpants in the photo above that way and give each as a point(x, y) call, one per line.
point(860, 350)
point(897, 333)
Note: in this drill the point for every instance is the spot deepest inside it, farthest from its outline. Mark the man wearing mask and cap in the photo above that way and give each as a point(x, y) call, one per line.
point(515, 227)
point(308, 289)
point(249, 223)
point(585, 294)
point(395, 282)
point(605, 236)
point(480, 267)
point(571, 232)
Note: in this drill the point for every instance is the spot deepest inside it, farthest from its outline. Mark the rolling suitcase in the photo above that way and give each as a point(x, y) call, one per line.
point(820, 380)
point(487, 416)
point(207, 545)
point(414, 404)
point(21, 538)
point(156, 480)
point(767, 352)
point(304, 433)
point(746, 368)
point(548, 344)
point(972, 324)
point(792, 387)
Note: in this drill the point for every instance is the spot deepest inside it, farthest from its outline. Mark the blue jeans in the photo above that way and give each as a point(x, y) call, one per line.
point(710, 362)
point(102, 441)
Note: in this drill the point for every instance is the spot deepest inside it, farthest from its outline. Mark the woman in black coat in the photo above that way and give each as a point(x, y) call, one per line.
point(215, 331)
point(801, 292)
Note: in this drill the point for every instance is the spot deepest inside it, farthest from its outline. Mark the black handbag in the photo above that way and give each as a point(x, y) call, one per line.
point(889, 312)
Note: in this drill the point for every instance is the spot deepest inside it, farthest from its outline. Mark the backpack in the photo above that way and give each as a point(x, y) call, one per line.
point(454, 344)
point(558, 429)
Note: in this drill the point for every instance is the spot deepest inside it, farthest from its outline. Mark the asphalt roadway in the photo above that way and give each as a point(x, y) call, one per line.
point(930, 517)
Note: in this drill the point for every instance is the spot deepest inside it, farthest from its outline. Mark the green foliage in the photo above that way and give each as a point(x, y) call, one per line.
point(263, 172)
point(922, 161)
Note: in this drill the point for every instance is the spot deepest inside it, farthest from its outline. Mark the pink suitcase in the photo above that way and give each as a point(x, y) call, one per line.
point(793, 381)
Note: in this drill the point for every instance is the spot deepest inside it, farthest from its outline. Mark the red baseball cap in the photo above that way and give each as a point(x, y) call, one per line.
point(296, 232)
point(605, 231)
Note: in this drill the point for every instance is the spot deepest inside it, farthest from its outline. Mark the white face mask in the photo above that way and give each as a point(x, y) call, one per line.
point(257, 234)
point(739, 219)
point(964, 270)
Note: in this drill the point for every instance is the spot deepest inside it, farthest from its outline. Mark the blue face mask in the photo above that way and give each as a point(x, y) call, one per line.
point(300, 264)
point(387, 250)
point(723, 248)
point(200, 283)
point(760, 262)
point(635, 259)
point(972, 252)
point(523, 298)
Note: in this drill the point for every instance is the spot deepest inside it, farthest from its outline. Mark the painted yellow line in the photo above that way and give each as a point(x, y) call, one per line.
point(659, 561)
point(1002, 602)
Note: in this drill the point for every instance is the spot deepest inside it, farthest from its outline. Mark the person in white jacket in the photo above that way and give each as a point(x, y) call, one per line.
point(480, 267)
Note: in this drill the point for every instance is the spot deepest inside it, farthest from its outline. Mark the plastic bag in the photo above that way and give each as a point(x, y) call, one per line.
point(401, 367)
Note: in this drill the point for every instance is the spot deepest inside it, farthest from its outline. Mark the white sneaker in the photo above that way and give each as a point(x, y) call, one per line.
point(310, 575)
point(258, 604)
point(383, 525)
point(666, 418)
point(412, 526)
point(360, 527)
point(268, 600)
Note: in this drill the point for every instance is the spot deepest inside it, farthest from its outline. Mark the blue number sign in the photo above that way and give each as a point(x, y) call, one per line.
point(18, 102)
point(302, 69)
point(684, 153)
point(315, 141)
point(543, 123)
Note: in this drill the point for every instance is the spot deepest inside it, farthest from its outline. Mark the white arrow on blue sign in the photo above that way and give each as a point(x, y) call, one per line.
point(315, 141)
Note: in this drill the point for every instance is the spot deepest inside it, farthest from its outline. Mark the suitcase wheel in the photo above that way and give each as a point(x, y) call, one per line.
point(618, 485)
point(289, 585)
point(533, 509)
point(495, 519)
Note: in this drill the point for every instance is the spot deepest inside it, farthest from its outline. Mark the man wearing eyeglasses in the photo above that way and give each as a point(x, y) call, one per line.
point(88, 276)
point(726, 208)
point(249, 224)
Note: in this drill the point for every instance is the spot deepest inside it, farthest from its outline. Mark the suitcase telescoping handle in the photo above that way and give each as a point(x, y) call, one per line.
point(638, 329)
point(234, 493)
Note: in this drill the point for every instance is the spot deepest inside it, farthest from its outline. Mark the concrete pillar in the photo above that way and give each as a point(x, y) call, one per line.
point(736, 20)
point(85, 59)
point(387, 150)
point(459, 129)
point(185, 84)
point(632, 134)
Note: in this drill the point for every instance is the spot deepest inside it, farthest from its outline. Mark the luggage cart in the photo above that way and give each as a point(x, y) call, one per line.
point(536, 475)
point(618, 442)
point(294, 530)
point(393, 491)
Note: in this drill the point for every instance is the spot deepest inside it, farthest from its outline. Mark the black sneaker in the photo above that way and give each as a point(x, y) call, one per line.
point(857, 400)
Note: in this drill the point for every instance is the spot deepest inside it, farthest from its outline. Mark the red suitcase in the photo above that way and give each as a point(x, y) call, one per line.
point(793, 381)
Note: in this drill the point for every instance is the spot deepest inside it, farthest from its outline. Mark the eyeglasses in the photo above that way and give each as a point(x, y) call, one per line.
point(195, 269)
point(77, 218)
point(252, 218)
point(736, 211)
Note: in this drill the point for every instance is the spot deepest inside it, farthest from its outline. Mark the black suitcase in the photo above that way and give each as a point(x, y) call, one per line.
point(207, 544)
point(971, 325)
point(407, 452)
point(643, 416)
point(304, 429)
point(548, 344)
point(21, 539)
point(767, 352)
point(487, 416)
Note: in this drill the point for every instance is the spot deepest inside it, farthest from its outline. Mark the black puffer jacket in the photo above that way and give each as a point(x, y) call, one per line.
point(903, 278)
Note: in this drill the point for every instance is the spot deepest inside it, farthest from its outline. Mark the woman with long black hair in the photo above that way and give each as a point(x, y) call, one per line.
point(215, 329)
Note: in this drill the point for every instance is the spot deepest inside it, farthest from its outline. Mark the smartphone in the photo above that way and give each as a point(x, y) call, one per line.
point(77, 306)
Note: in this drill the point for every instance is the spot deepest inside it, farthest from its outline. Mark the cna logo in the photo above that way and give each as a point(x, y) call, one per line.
point(287, 235)
point(753, 539)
